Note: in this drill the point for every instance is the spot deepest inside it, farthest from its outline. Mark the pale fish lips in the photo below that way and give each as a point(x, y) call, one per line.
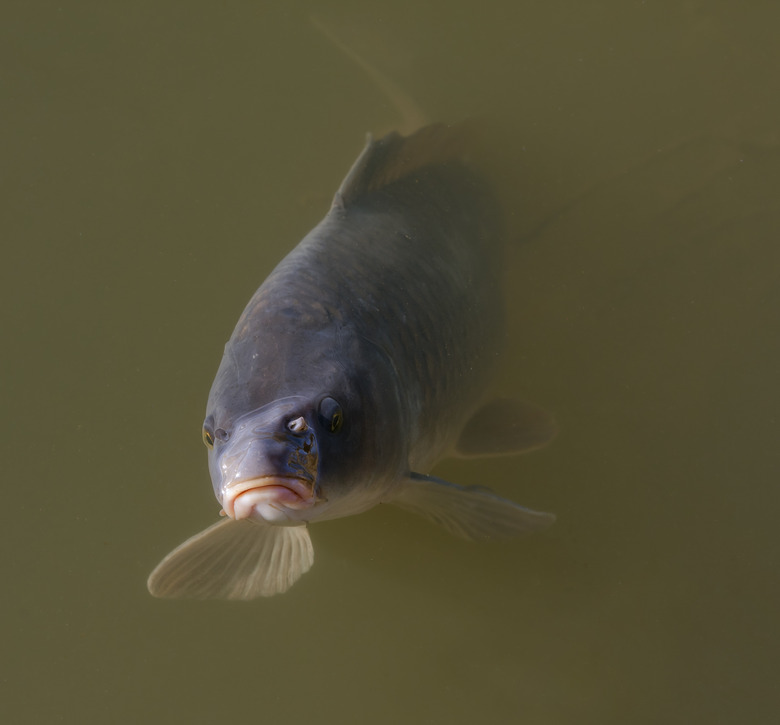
point(269, 499)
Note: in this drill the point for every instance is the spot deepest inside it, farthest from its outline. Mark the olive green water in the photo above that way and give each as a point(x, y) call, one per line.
point(159, 158)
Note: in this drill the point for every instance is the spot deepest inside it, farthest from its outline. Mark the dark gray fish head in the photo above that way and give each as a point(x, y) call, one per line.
point(293, 443)
point(267, 464)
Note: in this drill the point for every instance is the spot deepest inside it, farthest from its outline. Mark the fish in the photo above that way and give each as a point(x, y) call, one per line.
point(362, 360)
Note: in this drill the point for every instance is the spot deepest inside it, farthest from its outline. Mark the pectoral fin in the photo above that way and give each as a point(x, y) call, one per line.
point(234, 560)
point(471, 512)
point(505, 427)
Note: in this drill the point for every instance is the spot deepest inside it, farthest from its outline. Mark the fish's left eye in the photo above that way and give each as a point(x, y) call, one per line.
point(331, 415)
point(208, 438)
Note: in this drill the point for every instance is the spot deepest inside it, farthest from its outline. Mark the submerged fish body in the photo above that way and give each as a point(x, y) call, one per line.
point(359, 362)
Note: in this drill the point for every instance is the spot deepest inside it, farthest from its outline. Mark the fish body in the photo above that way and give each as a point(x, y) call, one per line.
point(360, 361)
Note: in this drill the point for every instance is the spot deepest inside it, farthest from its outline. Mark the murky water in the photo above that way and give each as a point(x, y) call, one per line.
point(159, 159)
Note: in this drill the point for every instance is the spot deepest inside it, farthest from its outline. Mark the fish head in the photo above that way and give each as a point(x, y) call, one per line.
point(267, 465)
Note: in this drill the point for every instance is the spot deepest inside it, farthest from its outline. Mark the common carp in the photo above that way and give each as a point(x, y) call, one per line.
point(362, 360)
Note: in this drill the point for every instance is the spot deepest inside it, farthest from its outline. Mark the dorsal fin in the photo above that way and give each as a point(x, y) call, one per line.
point(412, 116)
point(395, 157)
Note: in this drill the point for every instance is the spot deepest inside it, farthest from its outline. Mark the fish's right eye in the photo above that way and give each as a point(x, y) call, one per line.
point(208, 438)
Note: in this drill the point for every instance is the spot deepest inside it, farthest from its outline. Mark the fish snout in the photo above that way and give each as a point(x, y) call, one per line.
point(272, 478)
point(268, 469)
point(288, 454)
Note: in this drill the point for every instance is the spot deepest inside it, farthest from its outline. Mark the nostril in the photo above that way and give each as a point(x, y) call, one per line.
point(298, 425)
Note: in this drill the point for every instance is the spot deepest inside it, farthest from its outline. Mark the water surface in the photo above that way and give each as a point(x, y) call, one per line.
point(159, 159)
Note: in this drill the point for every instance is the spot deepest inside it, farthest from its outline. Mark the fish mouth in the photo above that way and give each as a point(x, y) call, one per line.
point(275, 494)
